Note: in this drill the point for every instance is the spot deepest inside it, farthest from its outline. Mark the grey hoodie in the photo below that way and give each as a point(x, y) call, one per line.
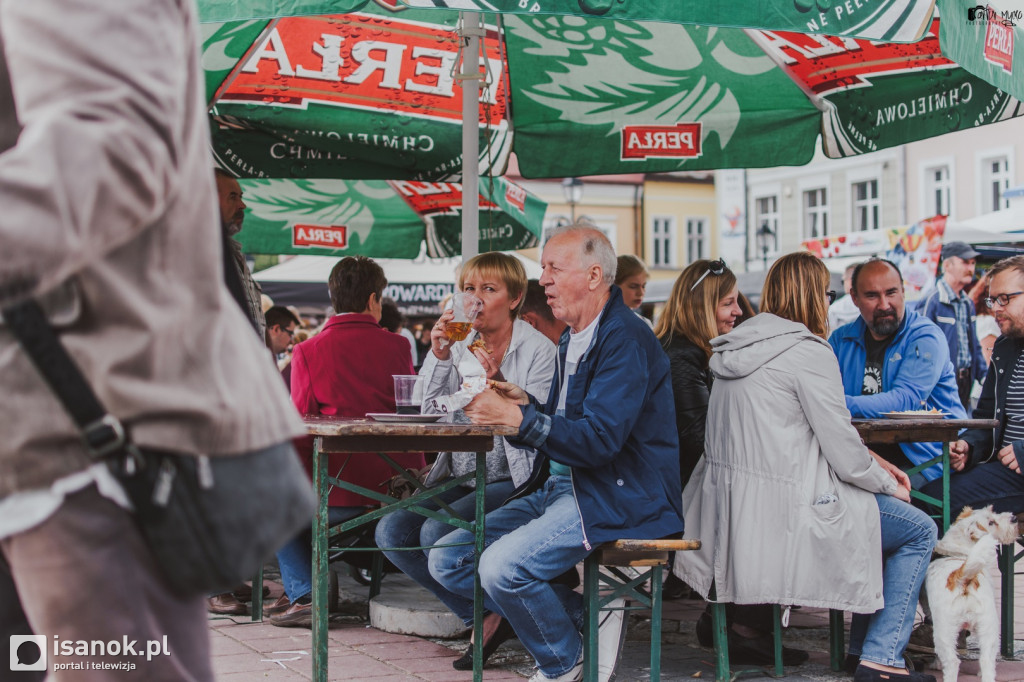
point(782, 499)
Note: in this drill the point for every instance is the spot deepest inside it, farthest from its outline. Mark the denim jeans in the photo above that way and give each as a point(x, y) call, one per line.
point(908, 537)
point(529, 541)
point(405, 528)
point(296, 557)
point(984, 484)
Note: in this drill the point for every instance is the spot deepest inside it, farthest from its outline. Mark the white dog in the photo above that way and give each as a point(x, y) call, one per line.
point(959, 591)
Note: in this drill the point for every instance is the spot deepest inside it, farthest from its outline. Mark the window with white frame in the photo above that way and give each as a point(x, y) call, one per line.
point(663, 232)
point(696, 239)
point(815, 213)
point(995, 179)
point(766, 213)
point(866, 206)
point(937, 190)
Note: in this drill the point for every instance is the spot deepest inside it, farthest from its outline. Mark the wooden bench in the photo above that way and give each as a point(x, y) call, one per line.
point(647, 558)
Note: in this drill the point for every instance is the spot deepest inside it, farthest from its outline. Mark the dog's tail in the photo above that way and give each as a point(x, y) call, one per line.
point(965, 578)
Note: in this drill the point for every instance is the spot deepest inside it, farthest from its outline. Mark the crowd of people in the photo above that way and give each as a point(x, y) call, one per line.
point(762, 455)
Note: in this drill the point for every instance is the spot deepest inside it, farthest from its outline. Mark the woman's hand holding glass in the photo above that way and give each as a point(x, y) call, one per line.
point(442, 351)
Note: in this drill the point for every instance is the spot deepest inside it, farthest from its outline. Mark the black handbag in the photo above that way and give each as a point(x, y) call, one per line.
point(209, 521)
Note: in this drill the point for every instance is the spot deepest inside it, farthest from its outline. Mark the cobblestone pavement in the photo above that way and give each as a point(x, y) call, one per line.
point(244, 650)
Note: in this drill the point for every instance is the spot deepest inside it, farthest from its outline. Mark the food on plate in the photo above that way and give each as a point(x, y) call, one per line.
point(931, 411)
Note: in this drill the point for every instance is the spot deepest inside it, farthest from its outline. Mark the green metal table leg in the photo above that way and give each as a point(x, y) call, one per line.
point(257, 595)
point(478, 593)
point(592, 608)
point(721, 641)
point(777, 639)
point(320, 567)
point(945, 487)
point(836, 636)
point(1006, 561)
point(656, 578)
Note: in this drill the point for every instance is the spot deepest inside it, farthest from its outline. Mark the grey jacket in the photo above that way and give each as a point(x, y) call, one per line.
point(529, 363)
point(782, 499)
point(106, 181)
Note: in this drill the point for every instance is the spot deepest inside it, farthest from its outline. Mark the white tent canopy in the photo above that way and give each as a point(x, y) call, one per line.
point(990, 228)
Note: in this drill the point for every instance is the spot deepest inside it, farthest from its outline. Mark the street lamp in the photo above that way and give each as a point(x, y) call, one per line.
point(572, 188)
point(765, 239)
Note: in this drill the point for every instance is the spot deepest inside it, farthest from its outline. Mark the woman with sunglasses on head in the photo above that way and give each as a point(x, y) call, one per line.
point(705, 304)
point(791, 506)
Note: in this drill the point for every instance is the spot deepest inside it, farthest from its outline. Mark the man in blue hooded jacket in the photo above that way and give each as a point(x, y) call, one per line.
point(607, 461)
point(894, 360)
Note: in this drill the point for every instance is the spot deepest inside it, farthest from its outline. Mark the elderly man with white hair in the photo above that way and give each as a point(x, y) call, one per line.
point(607, 462)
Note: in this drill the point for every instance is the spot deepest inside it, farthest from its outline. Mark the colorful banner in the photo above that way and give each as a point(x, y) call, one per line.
point(914, 248)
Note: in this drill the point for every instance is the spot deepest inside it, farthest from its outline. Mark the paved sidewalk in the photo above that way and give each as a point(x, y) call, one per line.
point(259, 651)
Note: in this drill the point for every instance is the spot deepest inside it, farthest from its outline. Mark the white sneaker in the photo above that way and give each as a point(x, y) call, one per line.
point(575, 674)
point(611, 633)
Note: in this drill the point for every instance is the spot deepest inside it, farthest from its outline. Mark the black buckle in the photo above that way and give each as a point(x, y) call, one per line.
point(104, 437)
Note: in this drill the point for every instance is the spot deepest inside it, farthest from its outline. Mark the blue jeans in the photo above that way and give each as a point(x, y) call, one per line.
point(404, 528)
point(296, 557)
point(908, 537)
point(529, 541)
point(984, 484)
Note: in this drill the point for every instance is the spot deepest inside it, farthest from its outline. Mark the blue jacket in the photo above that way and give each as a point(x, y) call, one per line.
point(939, 309)
point(916, 369)
point(618, 433)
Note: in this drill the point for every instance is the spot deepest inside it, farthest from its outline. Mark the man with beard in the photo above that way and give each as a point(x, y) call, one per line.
point(987, 461)
point(239, 280)
point(894, 360)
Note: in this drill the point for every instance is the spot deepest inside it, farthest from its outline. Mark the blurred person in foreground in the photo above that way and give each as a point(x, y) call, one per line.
point(537, 313)
point(607, 463)
point(108, 198)
point(894, 360)
point(345, 370)
point(950, 307)
point(814, 518)
point(631, 277)
point(512, 351)
point(987, 462)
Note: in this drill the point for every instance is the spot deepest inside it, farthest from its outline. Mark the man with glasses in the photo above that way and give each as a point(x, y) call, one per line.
point(894, 360)
point(988, 460)
point(953, 311)
point(281, 324)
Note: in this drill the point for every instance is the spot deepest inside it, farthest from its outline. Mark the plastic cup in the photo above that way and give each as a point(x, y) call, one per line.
point(466, 307)
point(408, 393)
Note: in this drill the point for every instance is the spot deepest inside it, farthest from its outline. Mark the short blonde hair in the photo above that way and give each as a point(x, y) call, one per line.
point(501, 266)
point(691, 313)
point(795, 290)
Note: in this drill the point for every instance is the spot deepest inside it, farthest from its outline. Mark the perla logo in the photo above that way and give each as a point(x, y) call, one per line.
point(332, 237)
point(682, 140)
point(999, 45)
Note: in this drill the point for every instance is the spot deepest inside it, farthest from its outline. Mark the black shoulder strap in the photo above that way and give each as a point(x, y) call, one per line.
point(103, 433)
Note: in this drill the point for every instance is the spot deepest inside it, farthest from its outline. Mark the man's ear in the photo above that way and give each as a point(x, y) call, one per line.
point(594, 276)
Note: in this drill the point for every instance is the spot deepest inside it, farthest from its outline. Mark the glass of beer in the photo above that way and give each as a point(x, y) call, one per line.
point(466, 307)
point(408, 393)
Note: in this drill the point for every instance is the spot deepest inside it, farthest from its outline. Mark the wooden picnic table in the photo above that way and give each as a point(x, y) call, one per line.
point(359, 435)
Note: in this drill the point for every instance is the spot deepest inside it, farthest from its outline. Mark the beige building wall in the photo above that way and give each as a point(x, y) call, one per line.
point(680, 225)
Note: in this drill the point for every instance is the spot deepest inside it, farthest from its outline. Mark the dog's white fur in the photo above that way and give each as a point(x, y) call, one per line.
point(959, 591)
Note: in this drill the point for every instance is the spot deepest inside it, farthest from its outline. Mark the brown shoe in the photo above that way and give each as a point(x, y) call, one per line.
point(226, 605)
point(279, 606)
point(244, 592)
point(296, 616)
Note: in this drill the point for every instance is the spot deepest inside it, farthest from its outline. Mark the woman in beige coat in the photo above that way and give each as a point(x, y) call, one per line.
point(789, 504)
